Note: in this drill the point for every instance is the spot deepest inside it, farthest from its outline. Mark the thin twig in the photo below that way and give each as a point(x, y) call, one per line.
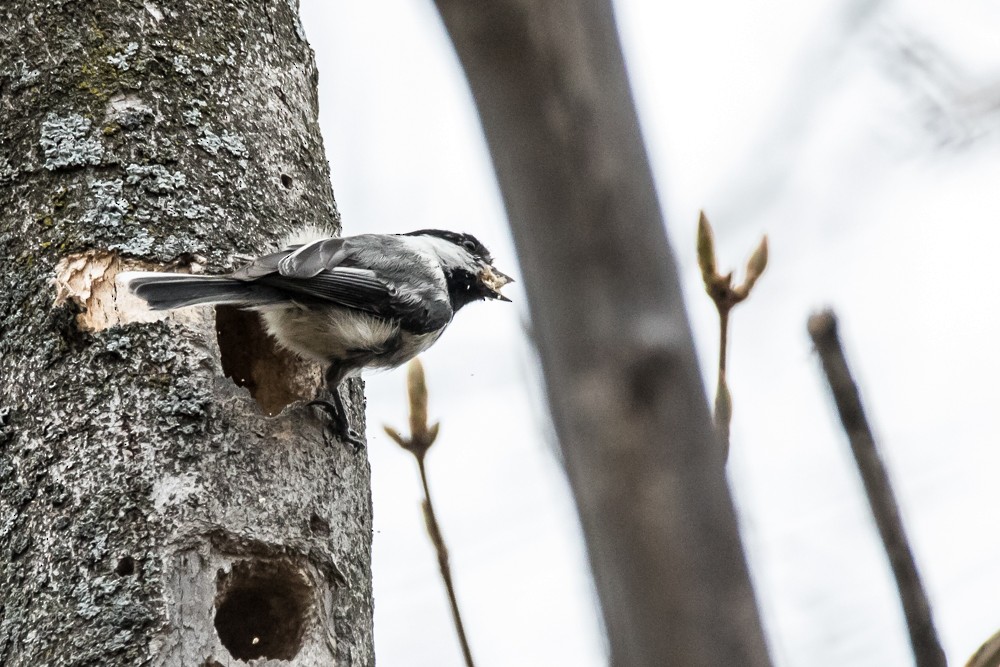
point(442, 553)
point(723, 399)
point(923, 637)
point(422, 437)
point(725, 295)
point(723, 337)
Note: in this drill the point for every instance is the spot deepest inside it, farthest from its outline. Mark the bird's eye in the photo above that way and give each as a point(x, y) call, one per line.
point(469, 245)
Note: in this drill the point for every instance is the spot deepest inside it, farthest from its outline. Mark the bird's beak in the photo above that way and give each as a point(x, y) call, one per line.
point(494, 280)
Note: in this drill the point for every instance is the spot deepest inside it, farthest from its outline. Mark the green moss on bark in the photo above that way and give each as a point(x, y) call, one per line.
point(131, 470)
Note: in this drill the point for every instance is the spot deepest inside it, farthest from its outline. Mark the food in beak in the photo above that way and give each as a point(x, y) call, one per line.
point(494, 280)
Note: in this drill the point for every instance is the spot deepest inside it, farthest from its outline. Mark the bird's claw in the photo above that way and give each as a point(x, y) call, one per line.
point(340, 426)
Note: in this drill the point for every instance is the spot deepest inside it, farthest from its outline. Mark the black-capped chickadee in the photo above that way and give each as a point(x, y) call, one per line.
point(366, 301)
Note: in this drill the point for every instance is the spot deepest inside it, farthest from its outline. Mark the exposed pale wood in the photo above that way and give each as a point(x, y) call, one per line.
point(133, 475)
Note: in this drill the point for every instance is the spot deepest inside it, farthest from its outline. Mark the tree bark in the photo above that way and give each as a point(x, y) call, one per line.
point(609, 322)
point(164, 499)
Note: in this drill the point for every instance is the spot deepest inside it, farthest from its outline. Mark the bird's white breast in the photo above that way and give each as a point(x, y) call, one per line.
point(325, 334)
point(330, 334)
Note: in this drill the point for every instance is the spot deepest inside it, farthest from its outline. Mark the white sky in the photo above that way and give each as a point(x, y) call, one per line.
point(877, 185)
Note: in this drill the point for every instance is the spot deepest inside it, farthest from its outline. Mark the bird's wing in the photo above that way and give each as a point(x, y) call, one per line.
point(310, 259)
point(361, 289)
point(261, 266)
point(297, 261)
point(363, 273)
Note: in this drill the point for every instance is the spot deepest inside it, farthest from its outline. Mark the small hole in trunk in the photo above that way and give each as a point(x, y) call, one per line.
point(125, 567)
point(261, 609)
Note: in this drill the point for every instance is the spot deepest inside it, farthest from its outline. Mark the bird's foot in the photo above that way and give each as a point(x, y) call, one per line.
point(340, 426)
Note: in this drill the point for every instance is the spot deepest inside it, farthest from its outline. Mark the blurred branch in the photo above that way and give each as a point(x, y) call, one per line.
point(923, 637)
point(421, 438)
point(624, 388)
point(953, 105)
point(988, 655)
point(766, 172)
point(434, 530)
point(725, 296)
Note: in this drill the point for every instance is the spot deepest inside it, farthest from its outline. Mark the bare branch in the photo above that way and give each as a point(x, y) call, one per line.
point(923, 637)
point(422, 437)
point(622, 378)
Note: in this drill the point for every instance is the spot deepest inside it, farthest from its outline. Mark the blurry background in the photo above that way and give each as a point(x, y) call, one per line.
point(862, 136)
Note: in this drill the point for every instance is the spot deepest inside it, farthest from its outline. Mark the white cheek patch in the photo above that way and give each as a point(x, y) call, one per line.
point(449, 253)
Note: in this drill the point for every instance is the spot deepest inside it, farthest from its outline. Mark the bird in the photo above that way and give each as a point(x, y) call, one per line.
point(351, 303)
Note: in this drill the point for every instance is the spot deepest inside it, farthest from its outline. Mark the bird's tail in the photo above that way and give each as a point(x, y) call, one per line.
point(166, 291)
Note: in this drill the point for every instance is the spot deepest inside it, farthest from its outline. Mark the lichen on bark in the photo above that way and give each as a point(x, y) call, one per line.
point(136, 480)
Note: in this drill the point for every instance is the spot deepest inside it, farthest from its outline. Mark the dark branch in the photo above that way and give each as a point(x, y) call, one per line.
point(923, 637)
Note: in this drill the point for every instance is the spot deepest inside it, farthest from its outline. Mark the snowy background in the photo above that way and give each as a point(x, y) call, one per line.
point(861, 136)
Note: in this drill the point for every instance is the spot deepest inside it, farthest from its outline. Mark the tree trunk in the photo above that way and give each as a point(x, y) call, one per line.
point(152, 510)
point(608, 318)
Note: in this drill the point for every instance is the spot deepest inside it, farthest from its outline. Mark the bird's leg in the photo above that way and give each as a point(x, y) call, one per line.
point(337, 410)
point(339, 419)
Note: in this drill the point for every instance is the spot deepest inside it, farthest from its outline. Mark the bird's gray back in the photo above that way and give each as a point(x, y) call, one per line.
point(395, 277)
